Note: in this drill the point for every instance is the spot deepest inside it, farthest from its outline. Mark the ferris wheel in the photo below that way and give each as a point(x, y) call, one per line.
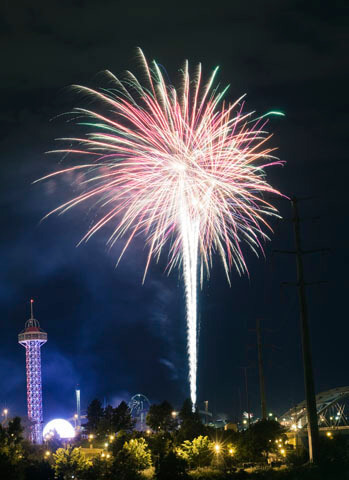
point(139, 406)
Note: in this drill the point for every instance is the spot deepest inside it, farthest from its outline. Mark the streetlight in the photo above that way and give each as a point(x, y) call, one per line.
point(4, 414)
point(217, 449)
point(90, 438)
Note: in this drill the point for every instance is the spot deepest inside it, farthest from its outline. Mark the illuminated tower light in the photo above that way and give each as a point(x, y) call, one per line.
point(32, 338)
point(78, 410)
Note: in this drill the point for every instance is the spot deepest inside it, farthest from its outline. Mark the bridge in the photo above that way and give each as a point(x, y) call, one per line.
point(331, 407)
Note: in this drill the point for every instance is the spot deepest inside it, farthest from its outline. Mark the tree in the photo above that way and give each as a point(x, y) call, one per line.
point(100, 469)
point(191, 425)
point(15, 430)
point(10, 469)
point(94, 416)
point(160, 445)
point(186, 412)
point(39, 470)
point(125, 467)
point(70, 463)
point(138, 449)
point(259, 440)
point(105, 424)
point(11, 451)
point(160, 417)
point(172, 467)
point(54, 441)
point(198, 452)
point(122, 419)
point(117, 445)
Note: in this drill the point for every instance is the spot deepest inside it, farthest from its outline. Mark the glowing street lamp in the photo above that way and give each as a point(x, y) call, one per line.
point(4, 414)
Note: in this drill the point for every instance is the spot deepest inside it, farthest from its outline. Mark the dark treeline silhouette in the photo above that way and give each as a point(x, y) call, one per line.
point(175, 446)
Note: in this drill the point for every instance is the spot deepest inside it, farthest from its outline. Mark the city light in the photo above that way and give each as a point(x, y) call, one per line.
point(217, 447)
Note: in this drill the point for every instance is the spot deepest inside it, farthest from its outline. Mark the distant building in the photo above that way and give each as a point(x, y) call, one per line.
point(231, 426)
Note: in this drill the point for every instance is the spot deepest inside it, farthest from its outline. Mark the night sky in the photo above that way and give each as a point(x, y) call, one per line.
point(106, 331)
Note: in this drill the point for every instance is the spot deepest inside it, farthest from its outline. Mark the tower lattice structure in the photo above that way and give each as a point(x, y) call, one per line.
point(32, 338)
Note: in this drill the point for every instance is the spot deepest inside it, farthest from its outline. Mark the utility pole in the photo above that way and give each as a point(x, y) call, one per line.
point(313, 429)
point(247, 398)
point(261, 372)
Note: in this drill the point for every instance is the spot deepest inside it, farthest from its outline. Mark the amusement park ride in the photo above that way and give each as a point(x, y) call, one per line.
point(139, 406)
point(32, 338)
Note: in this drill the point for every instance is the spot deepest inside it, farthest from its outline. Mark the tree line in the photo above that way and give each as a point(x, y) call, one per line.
point(175, 446)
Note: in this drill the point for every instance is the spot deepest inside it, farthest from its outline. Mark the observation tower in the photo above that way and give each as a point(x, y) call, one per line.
point(32, 338)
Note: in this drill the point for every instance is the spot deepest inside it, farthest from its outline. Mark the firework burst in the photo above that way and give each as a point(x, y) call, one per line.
point(181, 167)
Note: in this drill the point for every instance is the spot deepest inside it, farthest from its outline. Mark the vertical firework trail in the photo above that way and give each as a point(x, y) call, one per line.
point(181, 167)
